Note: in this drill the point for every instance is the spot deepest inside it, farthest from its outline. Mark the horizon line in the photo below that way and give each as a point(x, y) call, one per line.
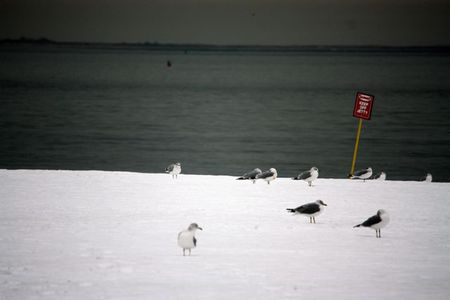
point(44, 40)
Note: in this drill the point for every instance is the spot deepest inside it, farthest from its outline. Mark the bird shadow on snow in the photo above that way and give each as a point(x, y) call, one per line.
point(187, 256)
point(371, 236)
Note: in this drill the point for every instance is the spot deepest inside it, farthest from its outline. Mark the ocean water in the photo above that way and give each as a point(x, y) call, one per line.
point(222, 113)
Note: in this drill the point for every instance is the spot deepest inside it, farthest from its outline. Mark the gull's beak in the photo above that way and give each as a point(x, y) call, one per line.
point(200, 228)
point(324, 204)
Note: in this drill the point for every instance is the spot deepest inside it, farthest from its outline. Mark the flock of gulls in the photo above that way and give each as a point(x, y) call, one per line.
point(187, 240)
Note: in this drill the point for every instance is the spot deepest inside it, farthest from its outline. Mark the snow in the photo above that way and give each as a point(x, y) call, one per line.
point(113, 235)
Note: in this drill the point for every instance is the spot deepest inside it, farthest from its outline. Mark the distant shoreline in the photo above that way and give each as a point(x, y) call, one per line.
point(186, 48)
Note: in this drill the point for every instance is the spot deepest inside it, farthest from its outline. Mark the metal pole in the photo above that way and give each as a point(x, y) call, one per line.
point(355, 152)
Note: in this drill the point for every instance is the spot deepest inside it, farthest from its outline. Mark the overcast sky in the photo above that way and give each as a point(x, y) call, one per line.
point(268, 22)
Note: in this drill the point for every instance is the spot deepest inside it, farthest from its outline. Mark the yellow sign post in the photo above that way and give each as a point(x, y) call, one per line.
point(362, 110)
point(355, 152)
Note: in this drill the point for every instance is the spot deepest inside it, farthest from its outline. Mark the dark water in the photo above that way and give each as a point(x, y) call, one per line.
point(222, 113)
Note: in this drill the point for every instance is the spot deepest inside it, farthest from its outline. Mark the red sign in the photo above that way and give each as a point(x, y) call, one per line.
point(363, 106)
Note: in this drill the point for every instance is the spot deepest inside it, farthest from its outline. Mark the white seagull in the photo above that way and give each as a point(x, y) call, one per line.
point(308, 176)
point(268, 176)
point(310, 210)
point(362, 174)
point(380, 176)
point(174, 169)
point(251, 175)
point(186, 238)
point(428, 178)
point(376, 222)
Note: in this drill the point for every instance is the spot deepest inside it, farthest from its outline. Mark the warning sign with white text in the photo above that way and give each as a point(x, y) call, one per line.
point(363, 106)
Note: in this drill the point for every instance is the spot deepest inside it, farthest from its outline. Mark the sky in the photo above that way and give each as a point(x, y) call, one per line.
point(225, 22)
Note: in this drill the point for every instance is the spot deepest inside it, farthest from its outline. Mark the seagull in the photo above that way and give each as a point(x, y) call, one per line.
point(308, 176)
point(376, 222)
point(268, 176)
point(380, 176)
point(362, 174)
point(428, 178)
point(186, 238)
point(174, 169)
point(251, 175)
point(310, 210)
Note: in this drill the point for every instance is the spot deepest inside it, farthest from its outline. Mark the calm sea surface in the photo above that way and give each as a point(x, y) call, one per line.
point(222, 113)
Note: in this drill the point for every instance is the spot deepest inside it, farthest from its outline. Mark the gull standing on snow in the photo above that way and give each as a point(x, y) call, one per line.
point(268, 176)
point(186, 238)
point(428, 178)
point(174, 169)
point(251, 175)
point(376, 222)
point(308, 176)
point(362, 174)
point(380, 176)
point(310, 210)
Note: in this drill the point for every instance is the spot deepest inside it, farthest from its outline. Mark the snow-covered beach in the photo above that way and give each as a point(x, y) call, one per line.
point(112, 235)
